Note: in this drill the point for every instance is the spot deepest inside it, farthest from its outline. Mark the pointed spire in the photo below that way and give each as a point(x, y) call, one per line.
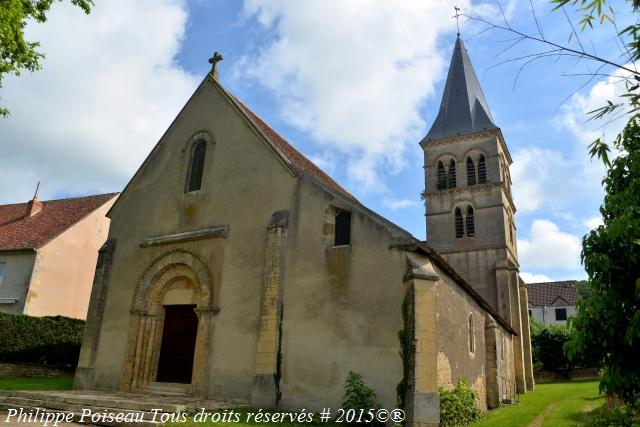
point(464, 108)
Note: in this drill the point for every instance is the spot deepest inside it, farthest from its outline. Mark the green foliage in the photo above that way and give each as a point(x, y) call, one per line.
point(405, 336)
point(356, 393)
point(608, 322)
point(16, 53)
point(48, 340)
point(547, 342)
point(602, 12)
point(458, 406)
point(616, 416)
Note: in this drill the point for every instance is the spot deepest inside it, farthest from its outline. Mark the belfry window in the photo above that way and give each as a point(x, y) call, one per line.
point(482, 170)
point(452, 174)
point(459, 223)
point(442, 177)
point(471, 172)
point(196, 166)
point(471, 227)
point(343, 228)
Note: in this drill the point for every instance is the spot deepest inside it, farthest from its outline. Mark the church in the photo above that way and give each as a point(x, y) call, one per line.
point(235, 269)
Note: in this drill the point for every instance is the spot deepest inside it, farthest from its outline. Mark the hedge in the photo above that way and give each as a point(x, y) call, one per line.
point(548, 349)
point(52, 341)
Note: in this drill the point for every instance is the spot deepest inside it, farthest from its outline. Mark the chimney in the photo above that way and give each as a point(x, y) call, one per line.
point(34, 206)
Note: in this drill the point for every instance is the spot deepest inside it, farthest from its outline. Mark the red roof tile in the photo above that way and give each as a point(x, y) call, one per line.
point(19, 232)
point(293, 155)
point(546, 293)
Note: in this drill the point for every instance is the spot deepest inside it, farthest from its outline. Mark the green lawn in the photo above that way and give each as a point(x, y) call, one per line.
point(556, 404)
point(22, 383)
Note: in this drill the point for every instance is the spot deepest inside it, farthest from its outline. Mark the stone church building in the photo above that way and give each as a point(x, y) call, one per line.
point(236, 269)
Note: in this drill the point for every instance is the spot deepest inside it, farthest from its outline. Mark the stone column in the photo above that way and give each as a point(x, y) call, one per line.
point(265, 388)
point(491, 362)
point(84, 377)
point(422, 400)
point(203, 351)
point(526, 336)
point(516, 323)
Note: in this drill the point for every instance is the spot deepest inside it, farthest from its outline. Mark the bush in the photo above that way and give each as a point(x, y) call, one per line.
point(52, 341)
point(616, 416)
point(548, 342)
point(458, 406)
point(356, 393)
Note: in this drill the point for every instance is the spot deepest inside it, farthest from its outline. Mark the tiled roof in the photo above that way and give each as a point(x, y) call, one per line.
point(546, 293)
point(19, 232)
point(288, 151)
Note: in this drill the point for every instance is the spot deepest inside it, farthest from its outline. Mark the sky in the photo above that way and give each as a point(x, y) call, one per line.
point(353, 85)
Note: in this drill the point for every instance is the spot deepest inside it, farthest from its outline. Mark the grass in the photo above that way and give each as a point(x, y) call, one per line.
point(36, 383)
point(556, 404)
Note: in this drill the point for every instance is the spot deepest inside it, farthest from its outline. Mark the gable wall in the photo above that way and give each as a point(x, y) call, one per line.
point(242, 185)
point(63, 273)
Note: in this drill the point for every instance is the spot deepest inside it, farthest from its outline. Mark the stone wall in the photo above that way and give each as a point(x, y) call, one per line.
point(24, 370)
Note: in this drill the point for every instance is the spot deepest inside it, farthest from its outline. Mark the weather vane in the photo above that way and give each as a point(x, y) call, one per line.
point(457, 16)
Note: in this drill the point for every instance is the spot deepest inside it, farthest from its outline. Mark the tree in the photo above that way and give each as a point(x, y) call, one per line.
point(608, 322)
point(16, 53)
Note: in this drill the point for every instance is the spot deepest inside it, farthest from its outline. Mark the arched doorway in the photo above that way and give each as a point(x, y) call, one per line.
point(173, 298)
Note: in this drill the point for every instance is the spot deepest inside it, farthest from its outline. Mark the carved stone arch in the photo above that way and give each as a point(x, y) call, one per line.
point(474, 152)
point(147, 316)
point(204, 134)
point(444, 158)
point(167, 267)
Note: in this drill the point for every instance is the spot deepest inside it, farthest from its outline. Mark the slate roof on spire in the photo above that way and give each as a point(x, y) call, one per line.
point(464, 108)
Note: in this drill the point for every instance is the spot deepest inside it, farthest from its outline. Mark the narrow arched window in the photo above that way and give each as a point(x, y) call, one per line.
point(472, 341)
point(442, 177)
point(196, 166)
point(459, 223)
point(471, 227)
point(471, 172)
point(343, 228)
point(482, 170)
point(452, 174)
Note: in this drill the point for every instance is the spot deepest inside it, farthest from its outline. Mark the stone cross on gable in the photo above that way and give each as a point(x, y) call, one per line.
point(217, 57)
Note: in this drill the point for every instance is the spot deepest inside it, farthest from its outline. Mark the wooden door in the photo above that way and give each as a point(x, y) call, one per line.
point(178, 344)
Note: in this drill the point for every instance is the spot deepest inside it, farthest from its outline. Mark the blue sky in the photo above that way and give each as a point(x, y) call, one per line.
point(353, 85)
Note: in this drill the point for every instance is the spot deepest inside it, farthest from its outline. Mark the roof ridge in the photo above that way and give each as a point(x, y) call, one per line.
point(61, 200)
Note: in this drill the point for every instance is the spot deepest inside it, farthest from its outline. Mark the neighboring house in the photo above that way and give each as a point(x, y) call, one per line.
point(48, 253)
point(552, 303)
point(236, 269)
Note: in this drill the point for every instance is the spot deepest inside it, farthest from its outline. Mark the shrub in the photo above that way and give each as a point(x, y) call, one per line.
point(356, 393)
point(458, 406)
point(616, 416)
point(548, 342)
point(48, 340)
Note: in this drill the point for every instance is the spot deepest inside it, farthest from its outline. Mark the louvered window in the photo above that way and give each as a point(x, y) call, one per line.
point(442, 177)
point(482, 170)
point(452, 174)
point(471, 227)
point(459, 223)
point(471, 172)
point(196, 168)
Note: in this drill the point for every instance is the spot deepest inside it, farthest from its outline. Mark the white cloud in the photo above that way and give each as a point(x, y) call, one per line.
point(108, 90)
point(395, 204)
point(534, 277)
point(594, 222)
point(549, 247)
point(352, 74)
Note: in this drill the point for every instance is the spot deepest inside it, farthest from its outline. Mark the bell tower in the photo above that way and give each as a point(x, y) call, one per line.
point(469, 205)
